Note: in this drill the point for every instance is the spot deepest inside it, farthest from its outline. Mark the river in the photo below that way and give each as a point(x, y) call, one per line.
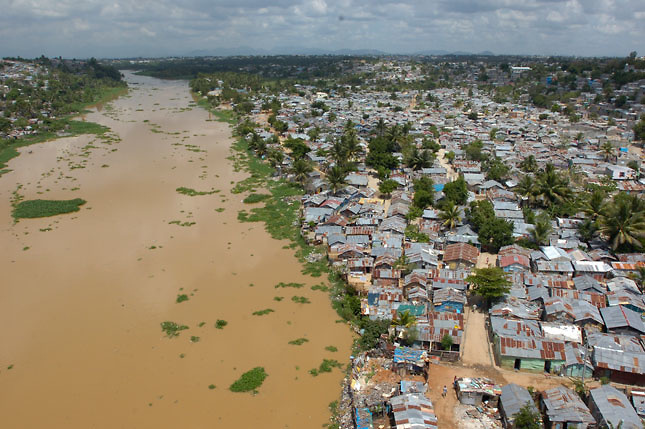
point(83, 294)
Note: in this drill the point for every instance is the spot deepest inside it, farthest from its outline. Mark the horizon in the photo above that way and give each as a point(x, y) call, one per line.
point(75, 29)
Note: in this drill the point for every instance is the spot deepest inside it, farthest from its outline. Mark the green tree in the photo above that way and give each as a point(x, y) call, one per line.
point(527, 418)
point(451, 215)
point(423, 192)
point(474, 151)
point(336, 178)
point(489, 283)
point(456, 191)
point(540, 231)
point(386, 187)
point(529, 164)
point(405, 319)
point(526, 189)
point(639, 129)
point(419, 159)
point(594, 204)
point(446, 342)
point(623, 223)
point(298, 148)
point(551, 188)
point(496, 170)
point(301, 170)
point(608, 150)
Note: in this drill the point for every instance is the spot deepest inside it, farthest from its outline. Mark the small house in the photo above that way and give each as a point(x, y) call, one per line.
point(563, 409)
point(512, 400)
point(610, 406)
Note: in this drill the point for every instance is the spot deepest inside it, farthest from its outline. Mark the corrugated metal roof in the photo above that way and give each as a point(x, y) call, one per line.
point(564, 405)
point(413, 411)
point(614, 407)
point(514, 397)
point(622, 317)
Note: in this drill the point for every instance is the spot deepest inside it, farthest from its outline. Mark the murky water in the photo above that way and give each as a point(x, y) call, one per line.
point(82, 295)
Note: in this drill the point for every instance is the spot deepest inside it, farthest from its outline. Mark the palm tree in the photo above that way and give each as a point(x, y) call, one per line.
point(336, 178)
point(594, 205)
point(301, 170)
point(529, 164)
point(405, 319)
point(551, 188)
point(607, 149)
point(540, 232)
point(451, 215)
point(350, 143)
point(275, 157)
point(419, 159)
point(624, 226)
point(526, 188)
point(338, 152)
point(381, 127)
point(587, 229)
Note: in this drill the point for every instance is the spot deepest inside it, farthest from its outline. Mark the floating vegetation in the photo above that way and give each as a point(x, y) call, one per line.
point(220, 324)
point(321, 287)
point(201, 324)
point(250, 380)
point(45, 208)
point(194, 339)
point(278, 298)
point(263, 312)
point(331, 349)
point(293, 285)
point(326, 366)
point(172, 329)
point(219, 210)
point(211, 386)
point(300, 300)
point(181, 298)
point(180, 223)
point(193, 193)
point(298, 342)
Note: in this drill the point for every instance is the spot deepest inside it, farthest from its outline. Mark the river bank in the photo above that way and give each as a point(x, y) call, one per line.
point(85, 293)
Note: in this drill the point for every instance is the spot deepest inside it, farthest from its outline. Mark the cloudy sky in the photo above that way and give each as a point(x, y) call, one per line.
point(122, 28)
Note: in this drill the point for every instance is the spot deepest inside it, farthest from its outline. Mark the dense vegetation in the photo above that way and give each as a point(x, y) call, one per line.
point(46, 208)
point(250, 380)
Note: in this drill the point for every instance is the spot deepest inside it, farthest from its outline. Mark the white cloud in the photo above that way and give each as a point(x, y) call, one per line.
point(79, 28)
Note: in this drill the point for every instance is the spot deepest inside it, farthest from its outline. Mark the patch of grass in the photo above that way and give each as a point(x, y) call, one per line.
point(298, 342)
point(193, 193)
point(181, 298)
point(263, 312)
point(220, 210)
point(249, 381)
point(331, 349)
point(321, 287)
point(220, 324)
point(201, 324)
point(278, 298)
point(194, 339)
point(300, 300)
point(326, 366)
point(293, 285)
point(255, 198)
point(172, 329)
point(45, 208)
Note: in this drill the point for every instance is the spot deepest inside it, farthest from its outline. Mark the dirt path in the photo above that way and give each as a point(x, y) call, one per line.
point(476, 348)
point(452, 174)
point(486, 260)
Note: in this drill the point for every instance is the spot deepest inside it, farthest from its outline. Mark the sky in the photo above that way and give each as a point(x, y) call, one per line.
point(132, 28)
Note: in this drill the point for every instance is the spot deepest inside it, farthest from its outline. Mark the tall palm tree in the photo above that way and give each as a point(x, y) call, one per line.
point(607, 149)
point(301, 170)
point(529, 164)
point(623, 223)
point(540, 232)
point(526, 189)
point(419, 159)
point(381, 127)
point(275, 157)
point(338, 152)
point(594, 204)
point(451, 215)
point(350, 143)
point(551, 188)
point(336, 178)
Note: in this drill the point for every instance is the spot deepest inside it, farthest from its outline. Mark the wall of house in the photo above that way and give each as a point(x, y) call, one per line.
point(576, 371)
point(527, 364)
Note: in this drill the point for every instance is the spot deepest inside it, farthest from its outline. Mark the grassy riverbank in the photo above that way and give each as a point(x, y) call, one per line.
point(62, 127)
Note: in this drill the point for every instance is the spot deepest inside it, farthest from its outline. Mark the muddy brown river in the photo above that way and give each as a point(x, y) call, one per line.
point(82, 295)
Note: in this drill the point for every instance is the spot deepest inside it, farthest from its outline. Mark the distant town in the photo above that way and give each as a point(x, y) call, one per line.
point(485, 214)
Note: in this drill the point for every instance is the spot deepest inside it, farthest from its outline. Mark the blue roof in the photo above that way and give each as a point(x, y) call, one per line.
point(408, 355)
point(438, 187)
